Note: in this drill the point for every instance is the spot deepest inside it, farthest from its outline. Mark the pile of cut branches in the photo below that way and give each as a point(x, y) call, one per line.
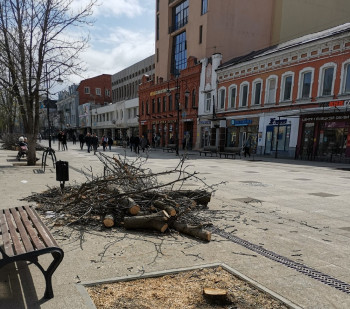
point(130, 196)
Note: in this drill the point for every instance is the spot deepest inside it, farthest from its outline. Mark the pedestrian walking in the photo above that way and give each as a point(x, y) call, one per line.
point(104, 142)
point(110, 142)
point(64, 141)
point(74, 138)
point(88, 141)
point(131, 142)
point(59, 138)
point(143, 143)
point(81, 140)
point(247, 146)
point(94, 142)
point(136, 144)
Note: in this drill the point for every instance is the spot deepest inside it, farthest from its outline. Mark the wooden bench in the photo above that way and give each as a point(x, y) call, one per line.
point(231, 151)
point(25, 238)
point(209, 150)
point(170, 148)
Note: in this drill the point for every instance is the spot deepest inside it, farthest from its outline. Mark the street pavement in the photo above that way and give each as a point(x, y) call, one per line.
point(283, 223)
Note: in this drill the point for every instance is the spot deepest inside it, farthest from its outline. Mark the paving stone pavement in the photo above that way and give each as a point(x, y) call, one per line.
point(283, 223)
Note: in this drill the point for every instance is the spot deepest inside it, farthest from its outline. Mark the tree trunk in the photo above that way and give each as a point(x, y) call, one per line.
point(195, 231)
point(109, 220)
point(215, 294)
point(161, 205)
point(157, 221)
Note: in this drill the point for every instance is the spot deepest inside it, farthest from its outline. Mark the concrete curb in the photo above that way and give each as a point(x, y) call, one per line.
point(85, 295)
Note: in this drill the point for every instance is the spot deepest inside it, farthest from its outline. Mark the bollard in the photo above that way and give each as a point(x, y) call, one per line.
point(62, 172)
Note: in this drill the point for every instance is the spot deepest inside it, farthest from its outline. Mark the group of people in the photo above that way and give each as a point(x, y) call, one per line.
point(136, 142)
point(92, 142)
point(62, 141)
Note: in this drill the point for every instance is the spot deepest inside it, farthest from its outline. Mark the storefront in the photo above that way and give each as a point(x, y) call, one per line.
point(325, 136)
point(204, 133)
point(239, 130)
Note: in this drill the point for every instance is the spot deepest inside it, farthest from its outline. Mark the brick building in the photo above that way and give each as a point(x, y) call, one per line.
point(293, 98)
point(93, 92)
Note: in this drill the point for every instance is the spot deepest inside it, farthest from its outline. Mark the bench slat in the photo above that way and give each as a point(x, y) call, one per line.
point(30, 229)
point(17, 244)
point(22, 231)
point(41, 228)
point(5, 235)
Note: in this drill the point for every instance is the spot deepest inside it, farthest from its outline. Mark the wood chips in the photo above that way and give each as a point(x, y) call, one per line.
point(182, 291)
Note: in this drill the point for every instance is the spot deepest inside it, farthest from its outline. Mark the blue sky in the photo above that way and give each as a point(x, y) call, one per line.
point(123, 34)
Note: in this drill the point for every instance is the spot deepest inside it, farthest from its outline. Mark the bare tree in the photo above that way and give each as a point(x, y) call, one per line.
point(37, 44)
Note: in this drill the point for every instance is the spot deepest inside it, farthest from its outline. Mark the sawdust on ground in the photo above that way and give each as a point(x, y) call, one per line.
point(183, 290)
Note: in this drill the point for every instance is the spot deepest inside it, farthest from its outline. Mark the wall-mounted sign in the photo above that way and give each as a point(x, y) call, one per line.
point(241, 122)
point(277, 121)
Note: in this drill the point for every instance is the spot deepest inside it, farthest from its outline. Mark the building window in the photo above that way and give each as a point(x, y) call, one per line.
point(257, 92)
point(204, 8)
point(164, 104)
point(98, 91)
point(159, 105)
point(87, 90)
point(180, 15)
point(200, 34)
point(186, 102)
point(346, 77)
point(327, 74)
point(107, 93)
point(232, 97)
point(157, 6)
point(157, 54)
point(194, 98)
point(286, 87)
point(222, 95)
point(243, 94)
point(179, 58)
point(142, 108)
point(305, 84)
point(271, 89)
point(207, 102)
point(147, 108)
point(170, 103)
point(153, 106)
point(157, 28)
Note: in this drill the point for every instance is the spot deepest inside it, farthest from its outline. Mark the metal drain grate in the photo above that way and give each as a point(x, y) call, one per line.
point(38, 171)
point(310, 272)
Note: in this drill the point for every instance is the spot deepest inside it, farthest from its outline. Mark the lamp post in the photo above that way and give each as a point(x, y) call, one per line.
point(177, 103)
point(49, 150)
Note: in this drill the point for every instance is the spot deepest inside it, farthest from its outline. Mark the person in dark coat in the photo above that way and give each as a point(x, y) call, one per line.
point(60, 137)
point(81, 140)
point(110, 142)
point(136, 144)
point(131, 142)
point(64, 141)
point(74, 138)
point(94, 142)
point(88, 141)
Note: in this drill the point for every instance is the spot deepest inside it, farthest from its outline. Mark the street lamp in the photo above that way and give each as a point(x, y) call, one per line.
point(49, 150)
point(177, 94)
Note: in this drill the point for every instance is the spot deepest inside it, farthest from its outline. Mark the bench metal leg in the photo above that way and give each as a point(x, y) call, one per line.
point(57, 255)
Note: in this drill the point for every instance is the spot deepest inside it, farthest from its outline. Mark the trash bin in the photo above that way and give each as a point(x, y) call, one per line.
point(62, 173)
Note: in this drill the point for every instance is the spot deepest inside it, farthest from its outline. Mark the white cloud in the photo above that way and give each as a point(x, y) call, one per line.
point(129, 8)
point(129, 48)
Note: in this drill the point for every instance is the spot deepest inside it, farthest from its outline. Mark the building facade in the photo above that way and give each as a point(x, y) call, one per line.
point(168, 109)
point(93, 92)
point(291, 99)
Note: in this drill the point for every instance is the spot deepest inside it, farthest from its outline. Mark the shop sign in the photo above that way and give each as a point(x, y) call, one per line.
point(204, 122)
point(143, 122)
point(239, 123)
point(334, 103)
point(277, 121)
point(326, 118)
